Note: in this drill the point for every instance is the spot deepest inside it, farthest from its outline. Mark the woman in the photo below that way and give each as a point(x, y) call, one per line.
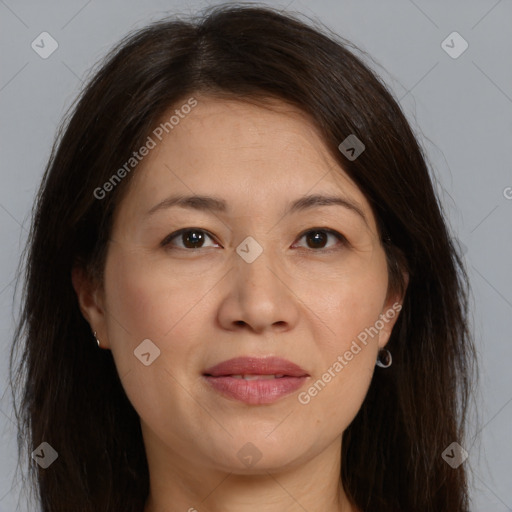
point(241, 292)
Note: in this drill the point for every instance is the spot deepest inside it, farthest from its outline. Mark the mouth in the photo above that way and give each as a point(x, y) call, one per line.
point(255, 380)
point(257, 377)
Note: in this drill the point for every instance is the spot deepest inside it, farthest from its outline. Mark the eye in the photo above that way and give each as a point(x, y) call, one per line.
point(319, 236)
point(194, 238)
point(191, 238)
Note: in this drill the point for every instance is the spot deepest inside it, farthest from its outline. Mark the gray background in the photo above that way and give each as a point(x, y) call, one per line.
point(461, 110)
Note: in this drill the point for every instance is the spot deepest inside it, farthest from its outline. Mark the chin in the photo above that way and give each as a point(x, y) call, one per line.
point(256, 454)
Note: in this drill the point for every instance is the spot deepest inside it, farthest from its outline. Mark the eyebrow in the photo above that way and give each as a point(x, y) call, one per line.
point(209, 203)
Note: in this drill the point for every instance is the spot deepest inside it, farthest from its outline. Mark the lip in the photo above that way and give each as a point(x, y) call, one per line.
point(257, 391)
point(256, 366)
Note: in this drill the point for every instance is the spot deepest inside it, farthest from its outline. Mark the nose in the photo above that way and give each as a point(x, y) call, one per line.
point(259, 297)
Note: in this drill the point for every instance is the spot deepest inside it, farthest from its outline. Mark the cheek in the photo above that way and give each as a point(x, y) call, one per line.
point(349, 307)
point(147, 301)
point(334, 401)
point(340, 383)
point(146, 297)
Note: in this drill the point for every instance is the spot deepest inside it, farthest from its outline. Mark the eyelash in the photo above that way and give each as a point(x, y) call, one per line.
point(344, 242)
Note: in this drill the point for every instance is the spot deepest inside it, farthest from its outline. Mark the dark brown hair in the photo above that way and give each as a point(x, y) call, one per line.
point(72, 396)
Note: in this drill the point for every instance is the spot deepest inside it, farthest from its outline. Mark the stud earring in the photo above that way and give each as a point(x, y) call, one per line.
point(97, 340)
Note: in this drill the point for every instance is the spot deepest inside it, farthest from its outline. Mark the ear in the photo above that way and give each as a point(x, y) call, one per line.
point(390, 312)
point(91, 302)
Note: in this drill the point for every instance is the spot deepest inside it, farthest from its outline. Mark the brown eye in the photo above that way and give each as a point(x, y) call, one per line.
point(190, 238)
point(318, 238)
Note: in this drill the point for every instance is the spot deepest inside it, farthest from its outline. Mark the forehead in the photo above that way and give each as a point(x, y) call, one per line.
point(254, 155)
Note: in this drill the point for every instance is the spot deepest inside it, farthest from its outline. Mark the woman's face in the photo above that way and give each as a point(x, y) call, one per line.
point(263, 276)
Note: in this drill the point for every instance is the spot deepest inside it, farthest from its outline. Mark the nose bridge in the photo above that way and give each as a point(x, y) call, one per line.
point(262, 296)
point(256, 265)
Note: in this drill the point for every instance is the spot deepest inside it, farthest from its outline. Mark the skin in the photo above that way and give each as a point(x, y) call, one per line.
point(202, 306)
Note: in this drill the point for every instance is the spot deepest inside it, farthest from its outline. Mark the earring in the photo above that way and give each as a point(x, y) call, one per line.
point(384, 358)
point(97, 340)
